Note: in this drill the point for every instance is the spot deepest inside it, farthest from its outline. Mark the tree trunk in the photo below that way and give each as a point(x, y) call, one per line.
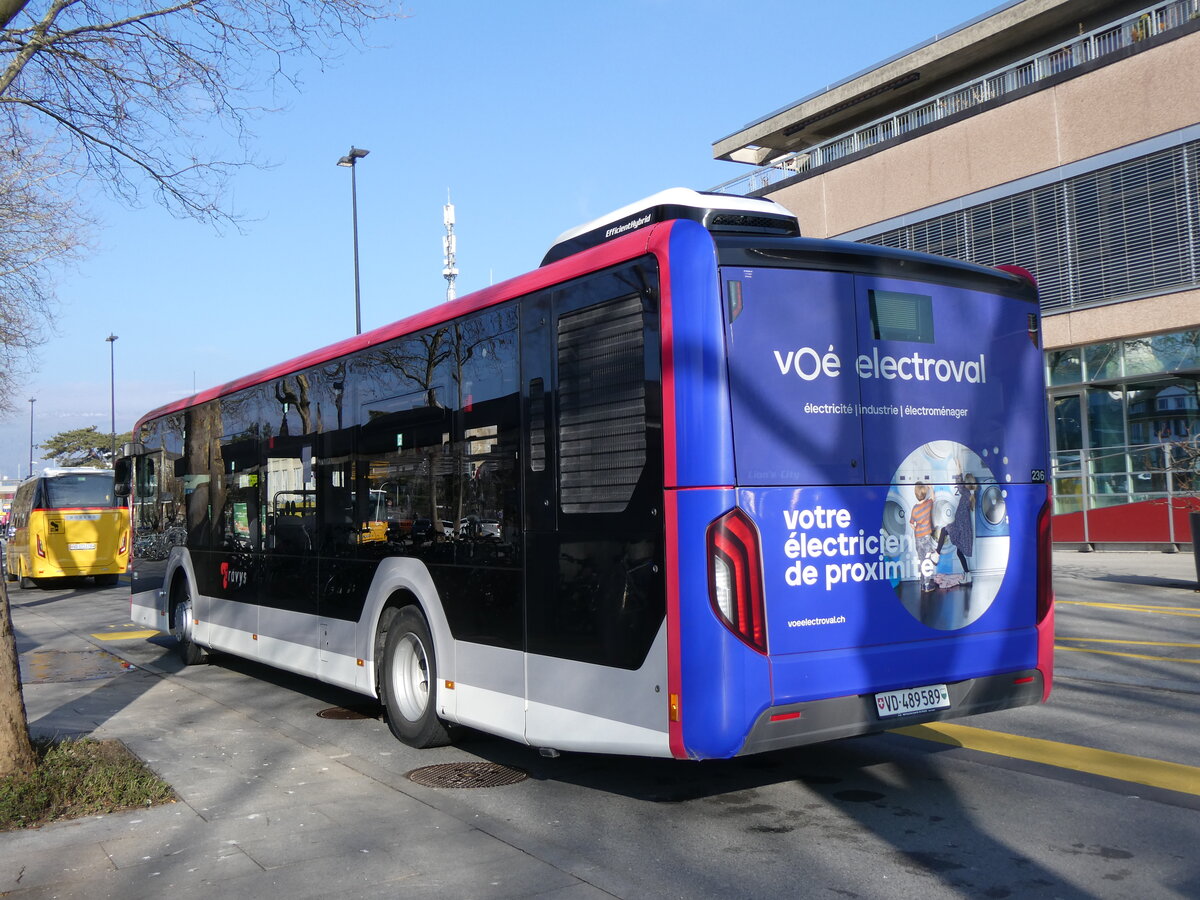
point(16, 752)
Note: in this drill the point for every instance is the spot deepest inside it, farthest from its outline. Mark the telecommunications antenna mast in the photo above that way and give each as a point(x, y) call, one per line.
point(449, 248)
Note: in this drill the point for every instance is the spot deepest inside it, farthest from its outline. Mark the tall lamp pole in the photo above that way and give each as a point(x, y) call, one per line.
point(32, 400)
point(350, 160)
point(112, 388)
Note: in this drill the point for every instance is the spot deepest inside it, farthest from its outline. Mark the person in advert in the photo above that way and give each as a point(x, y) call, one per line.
point(921, 521)
point(961, 531)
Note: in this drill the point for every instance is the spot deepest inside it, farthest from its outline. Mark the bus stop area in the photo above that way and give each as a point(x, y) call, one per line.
point(273, 803)
point(264, 808)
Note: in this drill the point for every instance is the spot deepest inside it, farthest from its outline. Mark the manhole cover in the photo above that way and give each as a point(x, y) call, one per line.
point(467, 775)
point(340, 712)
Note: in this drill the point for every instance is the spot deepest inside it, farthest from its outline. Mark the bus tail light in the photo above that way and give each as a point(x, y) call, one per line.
point(735, 582)
point(1045, 585)
point(124, 543)
point(41, 550)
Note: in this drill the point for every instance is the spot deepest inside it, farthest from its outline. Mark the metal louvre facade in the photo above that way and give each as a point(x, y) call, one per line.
point(1122, 231)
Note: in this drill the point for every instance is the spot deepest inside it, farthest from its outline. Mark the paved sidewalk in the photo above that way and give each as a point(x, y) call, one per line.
point(269, 810)
point(265, 810)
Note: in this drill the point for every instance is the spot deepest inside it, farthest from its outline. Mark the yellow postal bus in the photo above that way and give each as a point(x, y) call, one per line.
point(65, 523)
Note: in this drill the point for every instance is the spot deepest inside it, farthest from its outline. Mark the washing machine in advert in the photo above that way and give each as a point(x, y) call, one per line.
point(991, 530)
point(991, 515)
point(895, 515)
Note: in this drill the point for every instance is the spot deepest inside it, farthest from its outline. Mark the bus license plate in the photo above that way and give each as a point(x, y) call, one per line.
point(912, 700)
point(91, 546)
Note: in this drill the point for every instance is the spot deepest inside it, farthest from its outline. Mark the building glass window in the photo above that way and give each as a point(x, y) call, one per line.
point(1162, 353)
point(1131, 432)
point(1064, 366)
point(1102, 361)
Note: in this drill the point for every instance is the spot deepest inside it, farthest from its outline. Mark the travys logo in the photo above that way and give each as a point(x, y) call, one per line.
point(810, 364)
point(232, 577)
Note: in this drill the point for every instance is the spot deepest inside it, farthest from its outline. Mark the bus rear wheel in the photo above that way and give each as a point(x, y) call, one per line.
point(181, 628)
point(408, 680)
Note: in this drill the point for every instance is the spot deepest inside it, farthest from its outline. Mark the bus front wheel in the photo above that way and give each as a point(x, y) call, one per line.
point(181, 628)
point(408, 681)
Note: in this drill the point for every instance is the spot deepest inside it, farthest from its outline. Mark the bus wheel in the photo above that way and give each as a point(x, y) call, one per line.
point(27, 583)
point(409, 677)
point(181, 629)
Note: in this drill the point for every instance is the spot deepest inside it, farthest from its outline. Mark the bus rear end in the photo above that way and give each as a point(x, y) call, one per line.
point(876, 551)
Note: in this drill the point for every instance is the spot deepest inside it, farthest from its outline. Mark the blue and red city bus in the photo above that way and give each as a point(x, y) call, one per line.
point(696, 487)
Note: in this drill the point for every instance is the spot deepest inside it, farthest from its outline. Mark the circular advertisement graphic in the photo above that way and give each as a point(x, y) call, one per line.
point(947, 512)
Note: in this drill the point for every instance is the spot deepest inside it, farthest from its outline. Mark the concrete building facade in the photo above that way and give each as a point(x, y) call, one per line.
point(1062, 136)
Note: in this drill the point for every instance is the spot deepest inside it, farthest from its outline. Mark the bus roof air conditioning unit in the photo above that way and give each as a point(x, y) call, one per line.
point(724, 213)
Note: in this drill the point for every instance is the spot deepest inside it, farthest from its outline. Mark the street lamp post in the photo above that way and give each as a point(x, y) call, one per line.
point(112, 390)
point(350, 160)
point(32, 400)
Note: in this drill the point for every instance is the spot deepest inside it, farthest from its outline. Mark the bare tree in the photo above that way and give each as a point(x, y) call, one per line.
point(129, 90)
point(124, 94)
point(40, 229)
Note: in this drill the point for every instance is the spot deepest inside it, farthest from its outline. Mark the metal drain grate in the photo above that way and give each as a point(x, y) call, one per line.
point(340, 712)
point(467, 775)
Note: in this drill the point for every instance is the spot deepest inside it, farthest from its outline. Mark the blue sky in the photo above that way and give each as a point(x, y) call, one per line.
point(537, 116)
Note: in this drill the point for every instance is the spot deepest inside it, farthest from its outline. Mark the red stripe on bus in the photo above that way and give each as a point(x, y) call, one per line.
point(674, 656)
point(660, 247)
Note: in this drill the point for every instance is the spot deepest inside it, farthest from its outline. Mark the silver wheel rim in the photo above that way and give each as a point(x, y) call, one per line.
point(183, 621)
point(410, 677)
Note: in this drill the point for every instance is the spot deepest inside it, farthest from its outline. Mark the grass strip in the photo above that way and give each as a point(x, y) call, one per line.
point(79, 777)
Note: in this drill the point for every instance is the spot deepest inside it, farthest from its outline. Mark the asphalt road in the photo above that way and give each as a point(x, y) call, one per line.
point(1091, 795)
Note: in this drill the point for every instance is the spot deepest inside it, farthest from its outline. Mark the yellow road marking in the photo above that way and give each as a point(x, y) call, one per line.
point(1135, 769)
point(124, 635)
point(1129, 655)
point(1130, 607)
point(1063, 637)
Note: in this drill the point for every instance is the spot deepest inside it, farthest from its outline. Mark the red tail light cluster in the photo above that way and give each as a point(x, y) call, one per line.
point(1045, 587)
point(41, 549)
point(735, 580)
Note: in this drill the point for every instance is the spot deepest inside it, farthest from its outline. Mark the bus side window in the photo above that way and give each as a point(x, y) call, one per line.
point(537, 425)
point(145, 492)
point(238, 521)
point(147, 483)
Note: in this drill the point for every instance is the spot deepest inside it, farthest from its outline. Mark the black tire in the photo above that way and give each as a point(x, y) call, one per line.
point(408, 680)
point(27, 583)
point(182, 620)
point(106, 580)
